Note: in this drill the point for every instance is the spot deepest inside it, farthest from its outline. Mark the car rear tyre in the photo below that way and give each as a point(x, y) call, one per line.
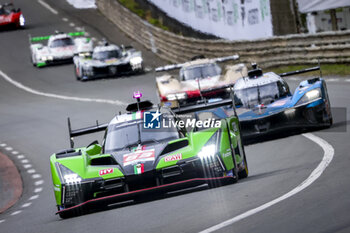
point(244, 173)
point(76, 72)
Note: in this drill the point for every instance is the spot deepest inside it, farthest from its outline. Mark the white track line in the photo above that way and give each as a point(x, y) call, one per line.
point(47, 6)
point(26, 204)
point(8, 148)
point(332, 80)
point(31, 171)
point(25, 161)
point(65, 19)
point(30, 90)
point(39, 182)
point(38, 190)
point(3, 145)
point(14, 152)
point(33, 197)
point(16, 212)
point(316, 173)
point(2, 220)
point(26, 166)
point(20, 156)
point(72, 24)
point(36, 176)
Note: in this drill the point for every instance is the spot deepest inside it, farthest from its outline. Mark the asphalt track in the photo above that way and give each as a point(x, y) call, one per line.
point(35, 126)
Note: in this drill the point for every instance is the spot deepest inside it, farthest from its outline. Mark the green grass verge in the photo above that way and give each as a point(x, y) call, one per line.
point(146, 15)
point(327, 69)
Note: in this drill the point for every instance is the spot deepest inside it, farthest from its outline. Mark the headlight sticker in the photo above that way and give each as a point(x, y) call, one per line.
point(105, 171)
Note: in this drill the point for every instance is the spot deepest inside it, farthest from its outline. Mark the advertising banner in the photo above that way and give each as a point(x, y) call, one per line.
point(229, 19)
point(320, 5)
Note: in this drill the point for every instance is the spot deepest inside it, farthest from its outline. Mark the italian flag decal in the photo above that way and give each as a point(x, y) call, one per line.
point(139, 169)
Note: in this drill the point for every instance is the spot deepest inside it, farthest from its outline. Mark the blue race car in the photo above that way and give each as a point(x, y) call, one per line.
point(265, 103)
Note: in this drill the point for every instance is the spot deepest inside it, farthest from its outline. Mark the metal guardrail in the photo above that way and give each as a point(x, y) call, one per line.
point(329, 47)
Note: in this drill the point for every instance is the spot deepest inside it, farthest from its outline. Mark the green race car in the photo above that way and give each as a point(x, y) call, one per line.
point(149, 150)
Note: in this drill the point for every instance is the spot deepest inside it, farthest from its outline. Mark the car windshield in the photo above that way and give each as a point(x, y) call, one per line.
point(61, 42)
point(264, 94)
point(104, 55)
point(199, 72)
point(121, 137)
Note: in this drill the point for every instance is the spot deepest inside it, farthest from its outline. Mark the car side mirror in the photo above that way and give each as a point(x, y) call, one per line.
point(94, 149)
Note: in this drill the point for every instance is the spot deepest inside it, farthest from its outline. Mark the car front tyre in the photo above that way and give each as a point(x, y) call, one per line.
point(244, 173)
point(77, 73)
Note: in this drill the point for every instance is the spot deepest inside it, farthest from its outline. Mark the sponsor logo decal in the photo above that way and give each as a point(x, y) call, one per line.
point(155, 120)
point(226, 154)
point(138, 156)
point(152, 120)
point(106, 171)
point(139, 169)
point(170, 158)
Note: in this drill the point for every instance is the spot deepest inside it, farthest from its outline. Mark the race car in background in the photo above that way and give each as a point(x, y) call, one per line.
point(135, 160)
point(108, 60)
point(265, 103)
point(10, 16)
point(198, 80)
point(60, 48)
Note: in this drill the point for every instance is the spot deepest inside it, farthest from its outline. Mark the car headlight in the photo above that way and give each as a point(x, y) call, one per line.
point(69, 177)
point(72, 179)
point(86, 54)
point(289, 112)
point(43, 58)
point(22, 21)
point(135, 60)
point(50, 58)
point(310, 96)
point(177, 96)
point(207, 152)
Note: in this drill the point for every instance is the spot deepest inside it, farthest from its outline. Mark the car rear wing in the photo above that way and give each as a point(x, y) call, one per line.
point(202, 107)
point(178, 66)
point(206, 104)
point(41, 38)
point(83, 131)
point(301, 71)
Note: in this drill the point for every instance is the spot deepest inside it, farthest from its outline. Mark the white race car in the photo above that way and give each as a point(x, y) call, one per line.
point(108, 60)
point(198, 80)
point(60, 48)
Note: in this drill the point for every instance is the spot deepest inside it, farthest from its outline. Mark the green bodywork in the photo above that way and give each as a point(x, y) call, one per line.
point(40, 64)
point(229, 141)
point(41, 38)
